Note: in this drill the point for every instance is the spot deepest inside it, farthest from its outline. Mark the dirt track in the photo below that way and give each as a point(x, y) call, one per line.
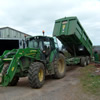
point(67, 88)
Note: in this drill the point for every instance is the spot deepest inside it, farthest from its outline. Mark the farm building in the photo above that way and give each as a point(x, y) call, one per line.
point(11, 39)
point(7, 32)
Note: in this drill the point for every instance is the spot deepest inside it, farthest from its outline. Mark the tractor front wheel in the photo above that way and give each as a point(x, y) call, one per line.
point(36, 75)
point(5, 68)
point(4, 71)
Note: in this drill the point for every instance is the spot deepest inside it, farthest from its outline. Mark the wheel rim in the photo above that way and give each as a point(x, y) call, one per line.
point(41, 75)
point(61, 66)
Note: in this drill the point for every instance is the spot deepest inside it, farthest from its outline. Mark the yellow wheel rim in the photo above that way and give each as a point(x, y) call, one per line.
point(61, 66)
point(41, 75)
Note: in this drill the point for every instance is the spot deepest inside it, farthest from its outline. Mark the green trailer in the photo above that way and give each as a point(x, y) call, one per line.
point(74, 38)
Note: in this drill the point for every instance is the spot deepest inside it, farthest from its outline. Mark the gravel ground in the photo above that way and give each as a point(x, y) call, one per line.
point(68, 88)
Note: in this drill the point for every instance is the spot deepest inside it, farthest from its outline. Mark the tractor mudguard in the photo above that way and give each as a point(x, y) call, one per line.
point(53, 55)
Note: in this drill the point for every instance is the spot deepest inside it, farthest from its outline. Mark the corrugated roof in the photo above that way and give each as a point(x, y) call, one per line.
point(14, 30)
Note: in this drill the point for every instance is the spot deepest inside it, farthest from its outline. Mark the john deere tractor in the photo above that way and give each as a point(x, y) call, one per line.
point(41, 57)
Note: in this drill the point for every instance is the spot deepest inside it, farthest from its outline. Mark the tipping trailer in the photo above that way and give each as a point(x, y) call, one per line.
point(74, 38)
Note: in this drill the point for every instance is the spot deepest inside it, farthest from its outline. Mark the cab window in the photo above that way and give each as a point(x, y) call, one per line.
point(33, 44)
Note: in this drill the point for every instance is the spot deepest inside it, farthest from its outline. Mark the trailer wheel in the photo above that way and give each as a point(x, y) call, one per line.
point(14, 81)
point(83, 61)
point(87, 60)
point(59, 67)
point(36, 75)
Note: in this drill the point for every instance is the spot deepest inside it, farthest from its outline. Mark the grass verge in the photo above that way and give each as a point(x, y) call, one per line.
point(90, 82)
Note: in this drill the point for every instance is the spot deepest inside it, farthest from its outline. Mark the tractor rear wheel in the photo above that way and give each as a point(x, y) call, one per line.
point(59, 67)
point(36, 75)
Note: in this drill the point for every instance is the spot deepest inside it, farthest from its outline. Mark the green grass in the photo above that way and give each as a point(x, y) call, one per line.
point(90, 82)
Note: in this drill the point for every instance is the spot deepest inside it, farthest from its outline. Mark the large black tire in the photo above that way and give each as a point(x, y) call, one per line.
point(4, 71)
point(36, 75)
point(59, 67)
point(14, 81)
point(83, 61)
point(87, 60)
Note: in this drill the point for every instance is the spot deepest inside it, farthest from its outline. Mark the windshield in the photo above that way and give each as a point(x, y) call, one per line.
point(33, 44)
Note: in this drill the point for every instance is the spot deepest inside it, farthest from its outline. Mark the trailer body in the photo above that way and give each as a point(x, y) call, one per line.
point(74, 38)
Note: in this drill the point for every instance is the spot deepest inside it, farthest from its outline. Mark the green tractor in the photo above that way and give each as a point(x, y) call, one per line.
point(41, 57)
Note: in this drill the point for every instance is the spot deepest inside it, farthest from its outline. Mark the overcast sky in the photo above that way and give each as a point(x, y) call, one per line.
point(33, 16)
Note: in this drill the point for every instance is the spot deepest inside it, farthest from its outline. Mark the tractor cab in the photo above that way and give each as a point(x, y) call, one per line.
point(44, 43)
